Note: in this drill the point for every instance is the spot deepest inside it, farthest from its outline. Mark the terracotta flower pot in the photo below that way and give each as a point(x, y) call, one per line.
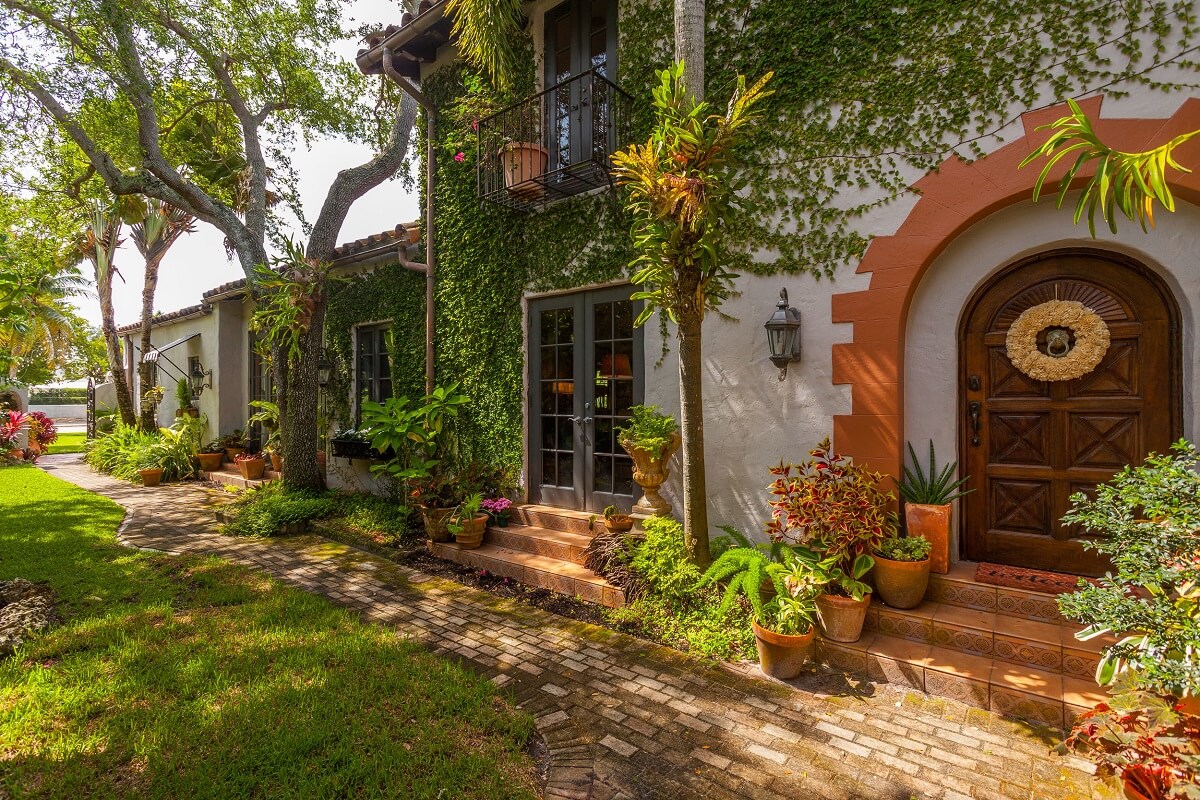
point(471, 535)
point(150, 477)
point(252, 469)
point(210, 462)
point(842, 618)
point(779, 655)
point(232, 453)
point(17, 453)
point(650, 471)
point(931, 523)
point(523, 163)
point(436, 520)
point(193, 412)
point(276, 461)
point(622, 525)
point(901, 584)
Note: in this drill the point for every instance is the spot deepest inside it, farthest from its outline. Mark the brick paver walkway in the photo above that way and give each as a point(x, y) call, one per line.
point(626, 718)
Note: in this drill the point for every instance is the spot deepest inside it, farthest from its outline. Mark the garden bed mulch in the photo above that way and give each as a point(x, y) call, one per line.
point(25, 607)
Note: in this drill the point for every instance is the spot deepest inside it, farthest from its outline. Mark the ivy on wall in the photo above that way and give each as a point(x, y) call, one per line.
point(868, 95)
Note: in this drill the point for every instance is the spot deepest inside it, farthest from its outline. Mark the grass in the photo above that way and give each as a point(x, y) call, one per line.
point(193, 677)
point(68, 443)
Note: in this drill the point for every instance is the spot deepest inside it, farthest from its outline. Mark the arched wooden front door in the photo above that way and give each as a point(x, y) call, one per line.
point(1028, 445)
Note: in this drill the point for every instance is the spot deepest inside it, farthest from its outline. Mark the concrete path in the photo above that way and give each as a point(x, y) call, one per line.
point(624, 718)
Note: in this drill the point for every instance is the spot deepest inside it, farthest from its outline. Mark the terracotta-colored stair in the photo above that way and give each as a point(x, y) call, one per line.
point(229, 475)
point(1006, 650)
point(544, 547)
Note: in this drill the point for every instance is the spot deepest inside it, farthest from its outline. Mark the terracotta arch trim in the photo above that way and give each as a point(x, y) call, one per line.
point(952, 199)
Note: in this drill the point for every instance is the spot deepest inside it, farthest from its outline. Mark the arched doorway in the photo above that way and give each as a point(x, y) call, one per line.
point(1028, 445)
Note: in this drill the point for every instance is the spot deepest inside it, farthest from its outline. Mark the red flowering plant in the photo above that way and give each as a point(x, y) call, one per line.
point(240, 457)
point(1149, 741)
point(41, 429)
point(11, 423)
point(835, 510)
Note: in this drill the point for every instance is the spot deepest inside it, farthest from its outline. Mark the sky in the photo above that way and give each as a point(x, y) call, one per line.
point(197, 262)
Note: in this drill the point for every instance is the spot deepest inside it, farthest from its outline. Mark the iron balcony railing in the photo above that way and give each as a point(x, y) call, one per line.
point(554, 144)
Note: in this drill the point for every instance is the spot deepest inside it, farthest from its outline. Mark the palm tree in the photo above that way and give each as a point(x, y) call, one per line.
point(153, 237)
point(485, 31)
point(35, 318)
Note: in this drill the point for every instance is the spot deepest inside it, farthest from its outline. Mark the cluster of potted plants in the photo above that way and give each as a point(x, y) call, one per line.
point(185, 403)
point(268, 416)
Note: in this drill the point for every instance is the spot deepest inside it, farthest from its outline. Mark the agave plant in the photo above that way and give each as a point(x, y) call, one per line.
point(933, 488)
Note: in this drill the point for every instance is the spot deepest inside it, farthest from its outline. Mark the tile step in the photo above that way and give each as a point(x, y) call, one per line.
point(557, 575)
point(958, 587)
point(231, 477)
point(556, 519)
point(563, 545)
point(1012, 690)
point(1049, 646)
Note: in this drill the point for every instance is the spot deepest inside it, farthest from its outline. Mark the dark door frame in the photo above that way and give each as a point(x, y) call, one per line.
point(1174, 344)
point(580, 496)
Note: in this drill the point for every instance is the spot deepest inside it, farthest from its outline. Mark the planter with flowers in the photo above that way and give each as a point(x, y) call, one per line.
point(783, 622)
point(250, 465)
point(836, 515)
point(499, 510)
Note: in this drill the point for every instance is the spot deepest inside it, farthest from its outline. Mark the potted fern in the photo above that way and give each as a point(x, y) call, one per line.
point(783, 624)
point(927, 505)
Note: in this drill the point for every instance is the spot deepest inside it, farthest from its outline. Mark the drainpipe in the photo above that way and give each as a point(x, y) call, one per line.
point(405, 85)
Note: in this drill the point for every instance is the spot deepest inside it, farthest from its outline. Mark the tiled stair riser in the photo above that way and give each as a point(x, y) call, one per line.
point(555, 519)
point(539, 541)
point(956, 590)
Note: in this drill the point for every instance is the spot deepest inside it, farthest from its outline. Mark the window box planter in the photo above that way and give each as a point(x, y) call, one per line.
point(351, 448)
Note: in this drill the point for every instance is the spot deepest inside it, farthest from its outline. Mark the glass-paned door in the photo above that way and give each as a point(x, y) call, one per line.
point(580, 35)
point(586, 372)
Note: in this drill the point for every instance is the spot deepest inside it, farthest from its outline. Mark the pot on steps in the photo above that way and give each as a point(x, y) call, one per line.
point(470, 536)
point(252, 469)
point(933, 524)
point(842, 618)
point(437, 523)
point(901, 584)
point(210, 462)
point(779, 655)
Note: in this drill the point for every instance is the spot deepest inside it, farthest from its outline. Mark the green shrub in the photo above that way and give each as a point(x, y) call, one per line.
point(375, 516)
point(648, 429)
point(127, 450)
point(907, 548)
point(661, 559)
point(265, 511)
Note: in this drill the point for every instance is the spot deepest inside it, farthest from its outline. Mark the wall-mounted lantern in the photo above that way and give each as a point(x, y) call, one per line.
point(783, 334)
point(198, 378)
point(324, 372)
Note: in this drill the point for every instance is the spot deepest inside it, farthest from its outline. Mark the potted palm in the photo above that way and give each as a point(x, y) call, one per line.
point(902, 570)
point(783, 622)
point(651, 439)
point(927, 505)
point(468, 522)
point(835, 514)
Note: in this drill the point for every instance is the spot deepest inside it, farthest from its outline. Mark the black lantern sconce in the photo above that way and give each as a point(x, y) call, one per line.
point(324, 372)
point(198, 378)
point(783, 334)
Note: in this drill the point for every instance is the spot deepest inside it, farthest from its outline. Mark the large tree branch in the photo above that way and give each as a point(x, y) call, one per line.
point(353, 183)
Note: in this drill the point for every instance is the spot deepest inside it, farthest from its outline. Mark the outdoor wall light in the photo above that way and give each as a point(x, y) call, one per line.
point(198, 378)
point(324, 372)
point(783, 334)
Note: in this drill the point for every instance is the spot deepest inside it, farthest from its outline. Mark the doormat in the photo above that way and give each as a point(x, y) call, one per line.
point(1032, 580)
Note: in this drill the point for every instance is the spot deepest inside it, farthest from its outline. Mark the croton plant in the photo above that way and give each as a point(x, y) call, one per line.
point(830, 505)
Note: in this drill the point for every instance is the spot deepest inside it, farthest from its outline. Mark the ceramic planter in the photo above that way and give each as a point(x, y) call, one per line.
point(931, 523)
point(619, 525)
point(276, 461)
point(471, 535)
point(151, 477)
point(232, 453)
point(842, 618)
point(252, 469)
point(901, 584)
point(210, 462)
point(781, 656)
point(650, 471)
point(17, 453)
point(193, 412)
point(436, 520)
point(523, 163)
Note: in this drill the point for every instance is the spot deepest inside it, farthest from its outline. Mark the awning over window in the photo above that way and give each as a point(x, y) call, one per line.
point(151, 356)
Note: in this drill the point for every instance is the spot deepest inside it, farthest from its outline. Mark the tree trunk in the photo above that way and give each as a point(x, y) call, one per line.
point(689, 44)
point(691, 417)
point(147, 421)
point(298, 427)
point(112, 342)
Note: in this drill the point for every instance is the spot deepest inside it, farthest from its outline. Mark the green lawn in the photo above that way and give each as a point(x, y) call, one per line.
point(190, 677)
point(68, 443)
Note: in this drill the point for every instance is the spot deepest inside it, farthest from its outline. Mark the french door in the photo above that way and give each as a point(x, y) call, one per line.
point(581, 35)
point(586, 370)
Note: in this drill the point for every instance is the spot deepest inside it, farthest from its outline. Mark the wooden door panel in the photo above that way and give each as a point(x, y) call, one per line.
point(1040, 442)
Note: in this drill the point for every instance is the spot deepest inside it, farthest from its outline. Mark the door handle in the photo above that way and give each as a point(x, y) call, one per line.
point(583, 422)
point(974, 410)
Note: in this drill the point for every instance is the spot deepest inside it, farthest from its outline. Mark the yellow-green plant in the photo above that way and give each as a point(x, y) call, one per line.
point(1126, 182)
point(485, 32)
point(682, 190)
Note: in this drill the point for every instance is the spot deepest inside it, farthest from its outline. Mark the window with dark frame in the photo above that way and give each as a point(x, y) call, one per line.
point(374, 365)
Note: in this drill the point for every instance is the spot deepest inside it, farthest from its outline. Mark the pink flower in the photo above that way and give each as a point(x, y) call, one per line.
point(474, 124)
point(459, 157)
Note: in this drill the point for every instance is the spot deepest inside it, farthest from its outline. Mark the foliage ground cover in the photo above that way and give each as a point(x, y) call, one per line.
point(192, 677)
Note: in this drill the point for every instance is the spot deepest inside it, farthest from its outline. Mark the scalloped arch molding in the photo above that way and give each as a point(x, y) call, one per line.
point(953, 198)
